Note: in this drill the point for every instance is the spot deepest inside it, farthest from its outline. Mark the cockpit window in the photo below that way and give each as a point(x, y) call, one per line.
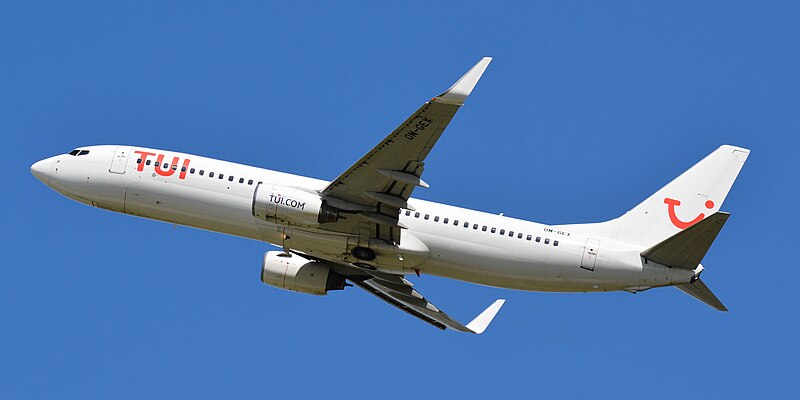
point(74, 152)
point(83, 152)
point(78, 152)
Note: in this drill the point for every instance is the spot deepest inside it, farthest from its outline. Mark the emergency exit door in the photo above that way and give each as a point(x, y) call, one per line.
point(120, 160)
point(590, 254)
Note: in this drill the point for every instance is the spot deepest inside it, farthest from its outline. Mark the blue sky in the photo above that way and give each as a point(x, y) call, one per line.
point(586, 110)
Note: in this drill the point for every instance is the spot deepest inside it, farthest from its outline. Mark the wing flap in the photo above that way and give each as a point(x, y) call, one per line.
point(410, 301)
point(400, 292)
point(370, 289)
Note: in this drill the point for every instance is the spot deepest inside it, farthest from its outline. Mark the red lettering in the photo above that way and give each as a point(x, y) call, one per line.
point(184, 169)
point(159, 164)
point(143, 155)
point(159, 167)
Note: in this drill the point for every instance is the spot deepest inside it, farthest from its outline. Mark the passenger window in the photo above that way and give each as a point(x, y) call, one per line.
point(547, 241)
point(475, 226)
point(427, 216)
point(555, 242)
point(166, 165)
point(446, 220)
point(538, 239)
point(191, 170)
point(241, 180)
point(436, 219)
point(183, 169)
point(484, 228)
point(139, 161)
point(210, 174)
point(156, 164)
point(230, 178)
point(174, 167)
point(455, 222)
point(494, 229)
point(221, 176)
point(502, 231)
point(250, 182)
point(201, 172)
point(148, 162)
point(529, 237)
point(408, 213)
point(510, 233)
point(519, 236)
point(466, 224)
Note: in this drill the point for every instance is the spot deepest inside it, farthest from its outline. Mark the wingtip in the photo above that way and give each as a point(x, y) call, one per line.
point(482, 321)
point(460, 90)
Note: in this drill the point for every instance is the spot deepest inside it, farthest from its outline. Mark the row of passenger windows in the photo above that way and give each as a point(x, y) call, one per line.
point(201, 172)
point(484, 228)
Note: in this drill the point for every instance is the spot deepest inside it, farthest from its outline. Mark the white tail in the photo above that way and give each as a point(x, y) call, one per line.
point(694, 195)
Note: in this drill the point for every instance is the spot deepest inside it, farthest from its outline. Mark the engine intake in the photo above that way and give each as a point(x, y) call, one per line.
point(292, 272)
point(287, 205)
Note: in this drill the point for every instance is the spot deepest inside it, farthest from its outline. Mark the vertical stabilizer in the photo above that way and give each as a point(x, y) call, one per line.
point(687, 200)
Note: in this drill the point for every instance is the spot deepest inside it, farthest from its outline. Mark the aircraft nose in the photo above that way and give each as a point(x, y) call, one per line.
point(41, 170)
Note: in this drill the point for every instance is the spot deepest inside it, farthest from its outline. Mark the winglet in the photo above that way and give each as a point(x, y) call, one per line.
point(461, 89)
point(479, 324)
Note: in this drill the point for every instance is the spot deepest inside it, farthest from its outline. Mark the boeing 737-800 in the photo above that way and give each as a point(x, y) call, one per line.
point(364, 229)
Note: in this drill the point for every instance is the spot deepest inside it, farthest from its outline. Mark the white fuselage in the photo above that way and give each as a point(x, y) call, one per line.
point(484, 251)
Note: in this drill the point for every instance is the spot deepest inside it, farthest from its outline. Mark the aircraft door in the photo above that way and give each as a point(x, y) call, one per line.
point(120, 160)
point(590, 254)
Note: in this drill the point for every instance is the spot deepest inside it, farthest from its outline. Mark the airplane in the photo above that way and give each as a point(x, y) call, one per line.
point(364, 229)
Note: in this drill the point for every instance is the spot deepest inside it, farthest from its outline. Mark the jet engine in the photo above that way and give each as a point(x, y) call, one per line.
point(287, 205)
point(292, 272)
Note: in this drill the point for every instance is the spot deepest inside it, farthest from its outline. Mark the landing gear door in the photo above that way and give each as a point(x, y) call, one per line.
point(120, 160)
point(590, 254)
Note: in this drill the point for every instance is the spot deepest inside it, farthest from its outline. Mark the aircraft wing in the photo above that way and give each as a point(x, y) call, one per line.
point(381, 182)
point(399, 292)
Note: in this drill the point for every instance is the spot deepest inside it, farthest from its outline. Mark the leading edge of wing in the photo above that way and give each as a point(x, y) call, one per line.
point(460, 90)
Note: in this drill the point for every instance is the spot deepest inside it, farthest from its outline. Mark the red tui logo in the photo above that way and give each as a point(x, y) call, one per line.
point(672, 203)
point(160, 167)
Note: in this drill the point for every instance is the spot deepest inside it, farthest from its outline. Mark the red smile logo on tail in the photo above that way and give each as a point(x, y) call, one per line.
point(674, 218)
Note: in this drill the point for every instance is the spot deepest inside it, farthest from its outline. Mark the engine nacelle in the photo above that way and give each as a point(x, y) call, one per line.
point(287, 205)
point(292, 272)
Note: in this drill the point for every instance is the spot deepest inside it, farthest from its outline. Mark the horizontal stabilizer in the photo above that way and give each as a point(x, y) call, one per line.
point(687, 248)
point(700, 291)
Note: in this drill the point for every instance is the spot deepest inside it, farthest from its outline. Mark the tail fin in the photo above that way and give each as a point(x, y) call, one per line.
point(686, 200)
